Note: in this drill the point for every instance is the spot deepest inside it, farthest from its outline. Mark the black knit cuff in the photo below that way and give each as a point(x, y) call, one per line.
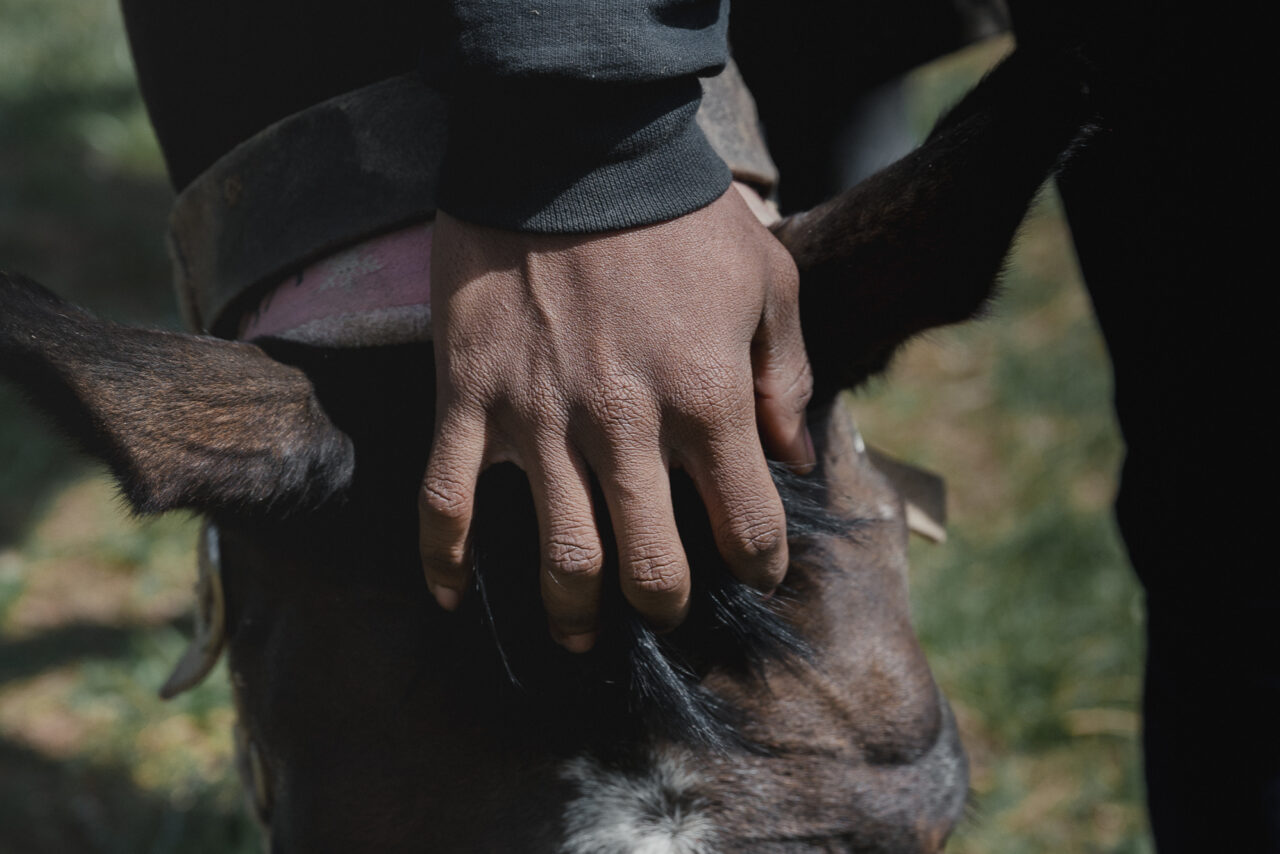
point(569, 157)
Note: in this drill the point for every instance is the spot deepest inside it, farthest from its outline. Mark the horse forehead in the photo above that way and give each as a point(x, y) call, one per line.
point(861, 734)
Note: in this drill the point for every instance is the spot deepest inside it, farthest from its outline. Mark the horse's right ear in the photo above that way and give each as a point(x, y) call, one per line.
point(182, 421)
point(921, 243)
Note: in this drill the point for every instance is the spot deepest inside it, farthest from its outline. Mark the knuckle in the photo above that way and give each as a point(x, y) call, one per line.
point(620, 402)
point(716, 390)
point(756, 539)
point(720, 379)
point(444, 498)
point(657, 572)
point(660, 584)
point(470, 378)
point(795, 388)
point(574, 559)
point(801, 389)
point(538, 402)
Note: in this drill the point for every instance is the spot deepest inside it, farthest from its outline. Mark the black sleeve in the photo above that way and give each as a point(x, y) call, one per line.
point(578, 115)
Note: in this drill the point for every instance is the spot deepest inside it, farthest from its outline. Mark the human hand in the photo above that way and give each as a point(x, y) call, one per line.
point(619, 354)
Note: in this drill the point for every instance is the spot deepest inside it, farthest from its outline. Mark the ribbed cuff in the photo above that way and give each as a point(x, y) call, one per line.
point(568, 157)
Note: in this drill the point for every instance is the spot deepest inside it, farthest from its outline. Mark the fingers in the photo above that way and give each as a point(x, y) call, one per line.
point(445, 504)
point(622, 370)
point(747, 518)
point(783, 377)
point(572, 554)
point(654, 573)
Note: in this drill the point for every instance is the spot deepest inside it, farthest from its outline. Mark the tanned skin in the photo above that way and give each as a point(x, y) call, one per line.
point(617, 356)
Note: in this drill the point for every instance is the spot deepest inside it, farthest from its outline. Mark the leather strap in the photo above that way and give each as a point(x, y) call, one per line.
point(355, 166)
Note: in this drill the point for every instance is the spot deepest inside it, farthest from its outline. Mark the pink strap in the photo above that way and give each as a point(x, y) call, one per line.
point(382, 282)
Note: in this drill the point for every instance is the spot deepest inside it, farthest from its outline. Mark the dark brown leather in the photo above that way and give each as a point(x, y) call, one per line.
point(346, 169)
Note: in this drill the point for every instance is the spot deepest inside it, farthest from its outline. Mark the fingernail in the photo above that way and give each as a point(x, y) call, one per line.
point(811, 456)
point(446, 597)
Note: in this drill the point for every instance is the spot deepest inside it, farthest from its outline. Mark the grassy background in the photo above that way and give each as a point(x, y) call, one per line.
point(1029, 613)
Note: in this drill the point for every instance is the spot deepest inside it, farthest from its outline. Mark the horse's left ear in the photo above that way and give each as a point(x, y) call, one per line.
point(182, 421)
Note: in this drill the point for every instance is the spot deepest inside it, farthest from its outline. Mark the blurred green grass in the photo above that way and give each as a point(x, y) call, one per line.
point(92, 602)
point(1029, 612)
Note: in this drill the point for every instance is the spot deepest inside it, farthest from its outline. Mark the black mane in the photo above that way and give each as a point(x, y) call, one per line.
point(635, 680)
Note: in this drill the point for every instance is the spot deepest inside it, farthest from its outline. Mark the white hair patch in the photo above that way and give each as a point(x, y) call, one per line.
point(656, 810)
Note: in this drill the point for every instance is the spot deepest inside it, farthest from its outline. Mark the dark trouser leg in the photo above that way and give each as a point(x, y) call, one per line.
point(1160, 204)
point(1210, 709)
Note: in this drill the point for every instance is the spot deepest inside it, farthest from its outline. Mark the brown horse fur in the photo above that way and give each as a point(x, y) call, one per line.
point(370, 720)
point(166, 411)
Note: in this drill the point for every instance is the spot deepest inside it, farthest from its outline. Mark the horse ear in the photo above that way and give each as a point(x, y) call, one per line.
point(921, 243)
point(181, 420)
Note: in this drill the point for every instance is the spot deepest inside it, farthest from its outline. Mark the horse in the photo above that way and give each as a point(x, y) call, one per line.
point(370, 719)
